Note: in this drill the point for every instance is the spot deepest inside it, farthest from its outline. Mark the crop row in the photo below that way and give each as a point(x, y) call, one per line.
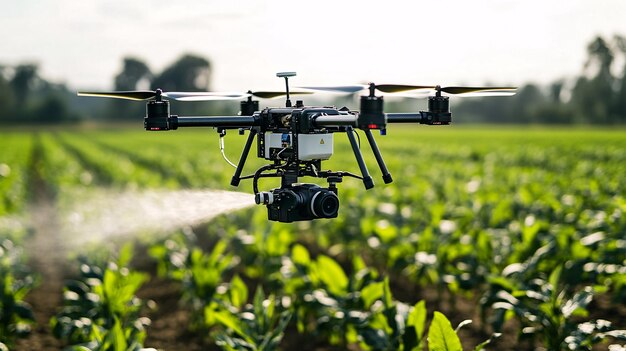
point(14, 161)
point(523, 222)
point(320, 300)
point(313, 297)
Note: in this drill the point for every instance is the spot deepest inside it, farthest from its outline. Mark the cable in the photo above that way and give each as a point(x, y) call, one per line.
point(257, 174)
point(222, 151)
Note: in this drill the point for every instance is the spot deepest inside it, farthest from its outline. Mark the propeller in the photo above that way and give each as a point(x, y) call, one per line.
point(139, 95)
point(401, 88)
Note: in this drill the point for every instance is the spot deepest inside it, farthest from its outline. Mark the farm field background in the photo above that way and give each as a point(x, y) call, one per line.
point(521, 230)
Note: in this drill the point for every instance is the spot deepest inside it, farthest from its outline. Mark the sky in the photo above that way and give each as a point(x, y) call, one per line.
point(327, 42)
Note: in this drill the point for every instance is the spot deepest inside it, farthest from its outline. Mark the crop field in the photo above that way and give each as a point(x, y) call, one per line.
point(494, 238)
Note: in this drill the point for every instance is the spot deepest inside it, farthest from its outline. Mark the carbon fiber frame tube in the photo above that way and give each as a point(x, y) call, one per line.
point(217, 121)
point(404, 118)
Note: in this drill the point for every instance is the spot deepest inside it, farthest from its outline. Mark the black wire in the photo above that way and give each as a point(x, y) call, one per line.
point(257, 174)
point(358, 137)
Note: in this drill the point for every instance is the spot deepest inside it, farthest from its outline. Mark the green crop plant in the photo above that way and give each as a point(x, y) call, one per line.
point(100, 309)
point(16, 316)
point(200, 273)
point(15, 155)
point(394, 325)
point(552, 311)
point(259, 326)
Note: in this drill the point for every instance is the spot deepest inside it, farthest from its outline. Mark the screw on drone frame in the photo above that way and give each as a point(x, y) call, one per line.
point(286, 75)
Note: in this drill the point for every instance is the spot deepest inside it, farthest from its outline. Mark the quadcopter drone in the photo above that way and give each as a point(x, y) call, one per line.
point(295, 139)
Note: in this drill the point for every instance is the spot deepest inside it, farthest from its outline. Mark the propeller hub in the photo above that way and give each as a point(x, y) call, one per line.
point(372, 88)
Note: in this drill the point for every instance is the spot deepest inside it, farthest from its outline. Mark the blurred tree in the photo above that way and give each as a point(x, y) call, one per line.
point(52, 109)
point(133, 73)
point(23, 82)
point(189, 73)
point(556, 89)
point(526, 103)
point(7, 100)
point(620, 95)
point(592, 96)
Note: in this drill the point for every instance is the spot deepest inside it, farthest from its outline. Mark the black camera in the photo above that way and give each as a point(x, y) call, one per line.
point(300, 202)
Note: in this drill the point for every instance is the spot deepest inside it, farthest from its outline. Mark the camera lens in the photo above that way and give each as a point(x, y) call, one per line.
point(325, 204)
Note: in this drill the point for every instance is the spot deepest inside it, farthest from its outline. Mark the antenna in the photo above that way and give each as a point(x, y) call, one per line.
point(286, 75)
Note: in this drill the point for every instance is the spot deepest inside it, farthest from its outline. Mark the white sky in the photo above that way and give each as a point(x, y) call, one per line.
point(326, 41)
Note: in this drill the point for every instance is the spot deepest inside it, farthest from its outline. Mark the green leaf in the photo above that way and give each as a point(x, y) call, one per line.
point(387, 297)
point(238, 292)
point(231, 322)
point(441, 335)
point(332, 275)
point(371, 293)
point(417, 319)
point(115, 337)
point(375, 338)
point(482, 345)
point(125, 255)
point(554, 279)
point(300, 255)
point(578, 303)
point(462, 324)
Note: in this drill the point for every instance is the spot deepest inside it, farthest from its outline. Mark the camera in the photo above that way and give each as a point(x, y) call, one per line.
point(301, 202)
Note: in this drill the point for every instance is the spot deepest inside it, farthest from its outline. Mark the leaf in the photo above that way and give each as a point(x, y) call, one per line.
point(554, 279)
point(115, 337)
point(441, 336)
point(332, 275)
point(578, 302)
point(125, 255)
point(238, 292)
point(375, 338)
point(371, 293)
point(482, 345)
point(387, 297)
point(231, 322)
point(300, 255)
point(259, 310)
point(462, 324)
point(417, 319)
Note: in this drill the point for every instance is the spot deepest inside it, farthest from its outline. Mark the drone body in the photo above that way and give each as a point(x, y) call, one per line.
point(297, 138)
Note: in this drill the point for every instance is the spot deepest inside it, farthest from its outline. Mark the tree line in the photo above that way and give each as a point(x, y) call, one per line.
point(27, 97)
point(596, 96)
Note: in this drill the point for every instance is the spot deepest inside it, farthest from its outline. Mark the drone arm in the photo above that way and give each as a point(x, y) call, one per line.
point(336, 120)
point(404, 118)
point(343, 120)
point(228, 122)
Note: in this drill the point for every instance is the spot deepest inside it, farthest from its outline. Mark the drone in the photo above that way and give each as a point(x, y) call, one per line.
point(295, 139)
